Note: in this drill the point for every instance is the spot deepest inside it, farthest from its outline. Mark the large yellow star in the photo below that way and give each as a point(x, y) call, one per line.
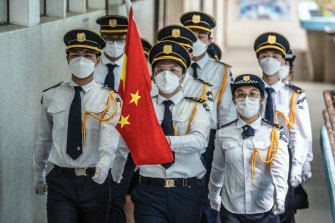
point(124, 121)
point(135, 97)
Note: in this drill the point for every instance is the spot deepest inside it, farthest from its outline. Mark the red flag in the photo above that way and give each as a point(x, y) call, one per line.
point(138, 124)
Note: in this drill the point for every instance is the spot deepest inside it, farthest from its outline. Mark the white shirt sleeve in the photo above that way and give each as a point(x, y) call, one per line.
point(217, 172)
point(280, 168)
point(43, 143)
point(196, 139)
point(109, 136)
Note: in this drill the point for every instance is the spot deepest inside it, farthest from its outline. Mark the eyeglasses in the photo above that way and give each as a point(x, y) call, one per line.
point(251, 95)
point(119, 40)
point(174, 70)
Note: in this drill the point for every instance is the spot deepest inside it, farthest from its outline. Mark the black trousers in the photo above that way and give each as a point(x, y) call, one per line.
point(119, 193)
point(267, 217)
point(73, 199)
point(156, 204)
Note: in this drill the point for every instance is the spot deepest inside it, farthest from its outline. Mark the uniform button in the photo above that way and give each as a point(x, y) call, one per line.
point(78, 148)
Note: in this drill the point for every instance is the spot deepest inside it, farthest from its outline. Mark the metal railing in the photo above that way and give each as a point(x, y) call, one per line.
point(328, 146)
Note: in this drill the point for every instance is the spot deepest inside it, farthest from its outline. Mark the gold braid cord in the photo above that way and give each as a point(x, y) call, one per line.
point(102, 116)
point(291, 120)
point(272, 152)
point(223, 86)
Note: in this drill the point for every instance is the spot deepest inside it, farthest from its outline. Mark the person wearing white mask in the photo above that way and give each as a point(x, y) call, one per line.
point(298, 196)
point(191, 87)
point(218, 76)
point(286, 105)
point(172, 192)
point(77, 137)
point(113, 29)
point(248, 181)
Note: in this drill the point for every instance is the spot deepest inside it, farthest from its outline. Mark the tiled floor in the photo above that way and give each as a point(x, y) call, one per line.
point(244, 61)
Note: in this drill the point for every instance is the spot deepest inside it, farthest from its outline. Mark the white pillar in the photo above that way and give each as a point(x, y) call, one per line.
point(77, 6)
point(96, 4)
point(56, 8)
point(24, 13)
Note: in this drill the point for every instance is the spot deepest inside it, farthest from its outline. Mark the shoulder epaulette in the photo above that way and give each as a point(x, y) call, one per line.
point(204, 82)
point(199, 100)
point(109, 88)
point(229, 123)
point(224, 64)
point(272, 123)
point(295, 88)
point(57, 85)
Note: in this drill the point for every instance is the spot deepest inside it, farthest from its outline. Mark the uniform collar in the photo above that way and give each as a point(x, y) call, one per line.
point(85, 87)
point(202, 62)
point(255, 125)
point(175, 98)
point(105, 60)
point(277, 86)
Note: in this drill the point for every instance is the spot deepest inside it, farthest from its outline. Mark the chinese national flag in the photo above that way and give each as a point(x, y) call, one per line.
point(138, 124)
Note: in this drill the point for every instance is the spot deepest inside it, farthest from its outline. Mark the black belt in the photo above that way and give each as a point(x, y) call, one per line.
point(75, 171)
point(168, 182)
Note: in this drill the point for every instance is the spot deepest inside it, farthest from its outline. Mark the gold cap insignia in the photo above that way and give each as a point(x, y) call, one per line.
point(167, 49)
point(81, 37)
point(176, 33)
point(112, 22)
point(246, 78)
point(196, 18)
point(272, 39)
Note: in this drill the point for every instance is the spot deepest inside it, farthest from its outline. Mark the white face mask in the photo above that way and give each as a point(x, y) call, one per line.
point(167, 82)
point(284, 71)
point(270, 66)
point(199, 48)
point(81, 67)
point(113, 49)
point(247, 107)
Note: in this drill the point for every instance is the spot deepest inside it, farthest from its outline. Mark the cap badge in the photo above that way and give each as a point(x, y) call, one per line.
point(196, 18)
point(272, 39)
point(112, 22)
point(81, 37)
point(176, 33)
point(246, 78)
point(167, 49)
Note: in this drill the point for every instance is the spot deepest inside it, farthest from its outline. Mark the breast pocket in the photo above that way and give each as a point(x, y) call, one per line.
point(231, 151)
point(92, 113)
point(58, 114)
point(181, 124)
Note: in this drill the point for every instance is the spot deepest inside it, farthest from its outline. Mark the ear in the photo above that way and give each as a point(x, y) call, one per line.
point(98, 61)
point(210, 40)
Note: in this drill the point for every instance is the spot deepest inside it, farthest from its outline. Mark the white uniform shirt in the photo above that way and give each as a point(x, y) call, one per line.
point(212, 72)
point(101, 140)
point(101, 71)
point(231, 169)
point(188, 146)
point(300, 134)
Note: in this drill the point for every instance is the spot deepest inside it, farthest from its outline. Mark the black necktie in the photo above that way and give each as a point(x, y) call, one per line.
point(195, 70)
point(269, 113)
point(74, 134)
point(109, 80)
point(247, 131)
point(167, 126)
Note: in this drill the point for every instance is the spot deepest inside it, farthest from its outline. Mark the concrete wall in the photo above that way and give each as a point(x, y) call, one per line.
point(31, 59)
point(242, 33)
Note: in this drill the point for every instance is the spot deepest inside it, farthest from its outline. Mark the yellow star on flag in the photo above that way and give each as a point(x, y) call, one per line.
point(124, 121)
point(135, 97)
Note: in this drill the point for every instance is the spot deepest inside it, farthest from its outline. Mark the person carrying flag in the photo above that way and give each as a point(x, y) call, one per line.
point(172, 192)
